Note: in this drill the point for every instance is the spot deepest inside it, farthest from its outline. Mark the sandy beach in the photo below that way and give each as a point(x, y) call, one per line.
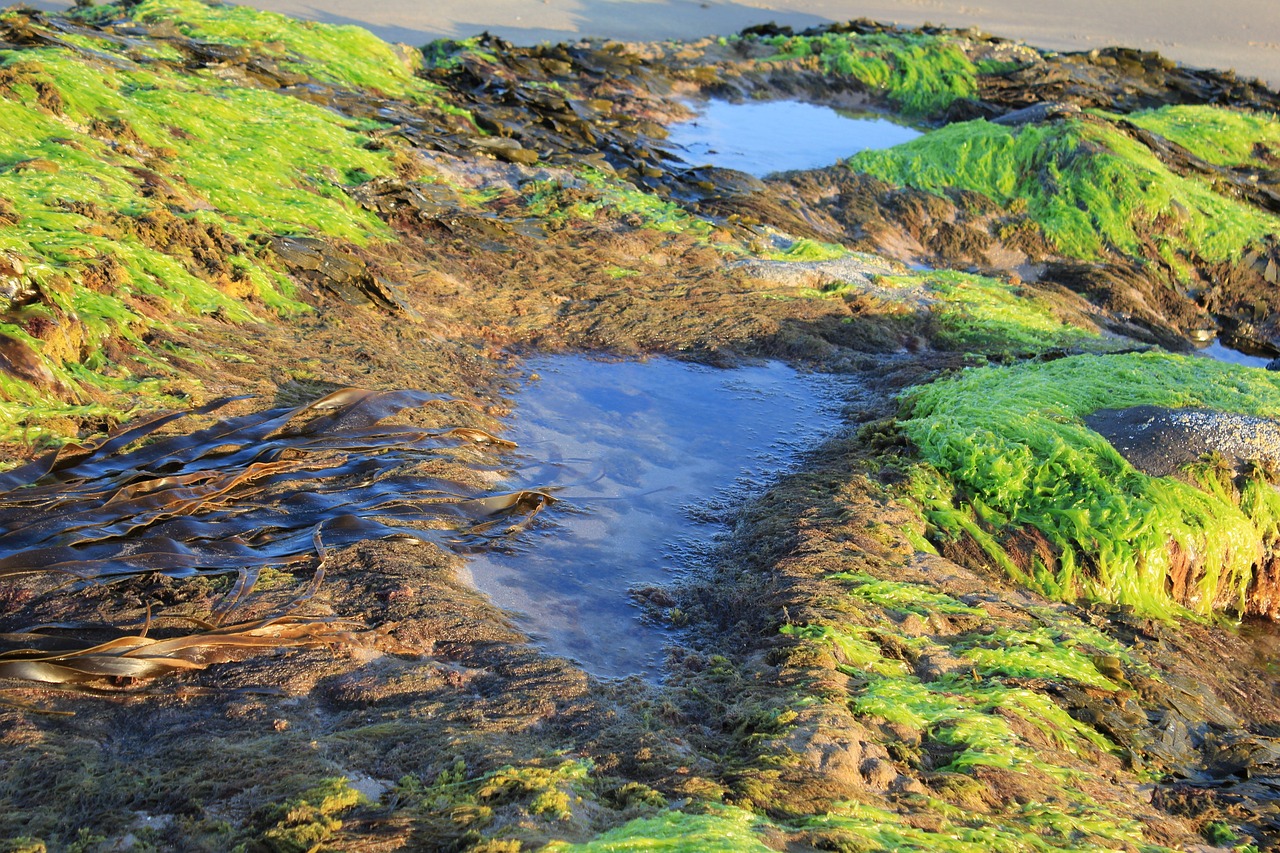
point(1243, 35)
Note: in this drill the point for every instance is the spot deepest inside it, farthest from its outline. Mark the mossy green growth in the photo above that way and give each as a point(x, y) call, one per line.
point(595, 191)
point(450, 53)
point(1007, 448)
point(988, 315)
point(977, 713)
point(346, 56)
point(721, 829)
point(967, 711)
point(545, 798)
point(263, 160)
point(1039, 653)
point(1218, 135)
point(920, 74)
point(865, 827)
point(307, 821)
point(805, 249)
point(23, 844)
point(1030, 827)
point(1091, 187)
point(904, 597)
point(131, 189)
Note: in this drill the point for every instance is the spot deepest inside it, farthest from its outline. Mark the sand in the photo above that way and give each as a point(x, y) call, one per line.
point(1240, 34)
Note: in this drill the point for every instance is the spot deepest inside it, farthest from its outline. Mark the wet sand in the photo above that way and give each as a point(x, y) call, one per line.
point(1240, 34)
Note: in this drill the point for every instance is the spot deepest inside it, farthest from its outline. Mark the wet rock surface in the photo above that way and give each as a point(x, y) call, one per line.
point(1163, 442)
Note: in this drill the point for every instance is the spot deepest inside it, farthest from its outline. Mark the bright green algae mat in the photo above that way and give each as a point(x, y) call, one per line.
point(1219, 136)
point(920, 74)
point(855, 826)
point(1007, 447)
point(100, 151)
point(348, 56)
point(986, 315)
point(1092, 187)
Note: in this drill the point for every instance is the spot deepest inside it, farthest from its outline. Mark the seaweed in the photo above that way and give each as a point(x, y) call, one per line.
point(1094, 189)
point(1008, 448)
point(919, 74)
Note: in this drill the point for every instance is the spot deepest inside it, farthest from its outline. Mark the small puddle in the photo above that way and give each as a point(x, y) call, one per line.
point(646, 457)
point(763, 137)
point(1218, 351)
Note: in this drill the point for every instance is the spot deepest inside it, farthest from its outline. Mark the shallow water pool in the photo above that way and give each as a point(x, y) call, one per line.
point(1218, 351)
point(645, 458)
point(763, 137)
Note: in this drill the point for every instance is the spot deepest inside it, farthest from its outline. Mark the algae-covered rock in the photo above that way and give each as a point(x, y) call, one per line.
point(1013, 449)
point(954, 627)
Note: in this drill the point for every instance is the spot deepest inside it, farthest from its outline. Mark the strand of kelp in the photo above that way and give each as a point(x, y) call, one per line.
point(271, 489)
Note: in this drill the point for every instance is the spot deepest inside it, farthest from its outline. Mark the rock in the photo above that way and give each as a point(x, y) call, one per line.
point(1161, 442)
point(505, 149)
point(20, 360)
point(878, 773)
point(340, 272)
point(1037, 113)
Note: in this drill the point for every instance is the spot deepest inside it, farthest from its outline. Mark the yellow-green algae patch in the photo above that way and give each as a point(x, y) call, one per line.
point(1007, 448)
point(306, 822)
point(346, 56)
point(1092, 188)
point(109, 171)
point(593, 191)
point(721, 829)
point(920, 74)
point(969, 312)
point(966, 713)
point(988, 315)
point(1223, 137)
point(864, 827)
point(978, 707)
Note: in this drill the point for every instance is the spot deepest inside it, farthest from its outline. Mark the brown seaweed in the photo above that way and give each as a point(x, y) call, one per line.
point(274, 489)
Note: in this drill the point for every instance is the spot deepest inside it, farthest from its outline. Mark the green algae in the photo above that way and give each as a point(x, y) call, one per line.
point(980, 713)
point(974, 313)
point(1013, 451)
point(256, 156)
point(722, 829)
point(856, 648)
point(860, 827)
point(988, 315)
point(805, 249)
point(1091, 187)
point(447, 54)
point(1031, 827)
point(1041, 653)
point(110, 172)
point(594, 192)
point(545, 799)
point(346, 56)
point(965, 711)
point(1223, 137)
point(906, 597)
point(307, 821)
point(920, 74)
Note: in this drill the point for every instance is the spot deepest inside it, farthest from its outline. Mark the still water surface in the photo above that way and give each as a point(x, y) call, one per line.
point(645, 457)
point(763, 137)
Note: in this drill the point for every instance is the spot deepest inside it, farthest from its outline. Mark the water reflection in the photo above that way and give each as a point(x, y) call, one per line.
point(633, 446)
point(1218, 351)
point(763, 137)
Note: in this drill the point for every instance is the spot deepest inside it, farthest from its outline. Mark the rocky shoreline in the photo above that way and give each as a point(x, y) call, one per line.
point(970, 622)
